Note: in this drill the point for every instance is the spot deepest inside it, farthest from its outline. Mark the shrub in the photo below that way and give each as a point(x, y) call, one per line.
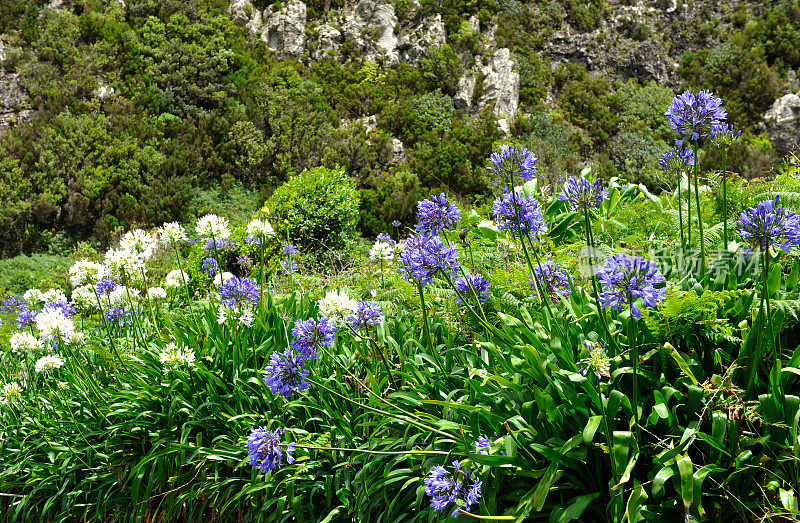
point(318, 209)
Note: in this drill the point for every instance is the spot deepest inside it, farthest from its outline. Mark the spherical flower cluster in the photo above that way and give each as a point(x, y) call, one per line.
point(265, 449)
point(106, 286)
point(381, 251)
point(436, 214)
point(336, 305)
point(33, 296)
point(85, 272)
point(529, 221)
point(123, 294)
point(22, 342)
point(52, 324)
point(175, 279)
point(48, 364)
point(51, 295)
point(84, 297)
point(172, 232)
point(677, 159)
point(9, 391)
point(286, 373)
point(119, 315)
point(723, 135)
point(290, 249)
point(396, 223)
point(215, 245)
point(25, 318)
point(512, 160)
point(472, 285)
point(385, 238)
point(237, 298)
point(174, 356)
point(582, 194)
point(597, 361)
point(66, 308)
point(366, 313)
point(455, 489)
point(257, 230)
point(553, 278)
point(694, 116)
point(156, 293)
point(424, 256)
point(311, 334)
point(210, 266)
point(625, 278)
point(139, 243)
point(212, 226)
point(769, 225)
point(121, 263)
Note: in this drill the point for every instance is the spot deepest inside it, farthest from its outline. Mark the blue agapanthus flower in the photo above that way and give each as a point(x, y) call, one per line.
point(769, 225)
point(396, 223)
point(452, 490)
point(624, 278)
point(472, 285)
point(213, 245)
point(267, 450)
point(25, 317)
point(436, 214)
point(367, 313)
point(553, 278)
point(582, 194)
point(105, 286)
point(119, 315)
point(723, 135)
point(66, 308)
point(423, 256)
point(311, 334)
point(385, 238)
point(286, 373)
point(677, 158)
point(694, 116)
point(290, 249)
point(11, 304)
point(239, 293)
point(530, 220)
point(482, 444)
point(512, 160)
point(210, 266)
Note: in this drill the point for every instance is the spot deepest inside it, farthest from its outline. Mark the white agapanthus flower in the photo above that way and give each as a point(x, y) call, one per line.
point(86, 272)
point(172, 232)
point(381, 251)
point(33, 297)
point(258, 228)
point(175, 279)
point(52, 295)
point(9, 391)
point(219, 278)
point(175, 355)
point(85, 298)
point(52, 323)
point(243, 315)
point(24, 342)
point(336, 306)
point(76, 338)
point(139, 242)
point(123, 294)
point(48, 363)
point(156, 293)
point(212, 225)
point(119, 261)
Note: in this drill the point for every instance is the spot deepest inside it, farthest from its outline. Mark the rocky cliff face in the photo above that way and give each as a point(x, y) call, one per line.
point(14, 107)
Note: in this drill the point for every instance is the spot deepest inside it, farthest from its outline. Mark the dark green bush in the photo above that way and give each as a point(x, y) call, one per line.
point(318, 208)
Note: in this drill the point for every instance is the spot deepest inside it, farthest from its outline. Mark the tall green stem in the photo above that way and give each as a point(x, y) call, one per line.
point(425, 327)
point(680, 209)
point(724, 199)
point(593, 276)
point(699, 212)
point(635, 361)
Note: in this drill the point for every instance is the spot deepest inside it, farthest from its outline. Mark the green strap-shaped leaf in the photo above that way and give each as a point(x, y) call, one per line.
point(686, 469)
point(635, 501)
point(590, 429)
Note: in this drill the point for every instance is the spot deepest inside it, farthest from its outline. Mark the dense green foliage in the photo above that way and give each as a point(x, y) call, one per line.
point(198, 102)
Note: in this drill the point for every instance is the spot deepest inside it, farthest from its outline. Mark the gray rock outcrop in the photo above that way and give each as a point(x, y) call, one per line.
point(466, 89)
point(500, 86)
point(782, 123)
point(14, 106)
point(371, 27)
point(284, 30)
point(416, 39)
point(244, 14)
